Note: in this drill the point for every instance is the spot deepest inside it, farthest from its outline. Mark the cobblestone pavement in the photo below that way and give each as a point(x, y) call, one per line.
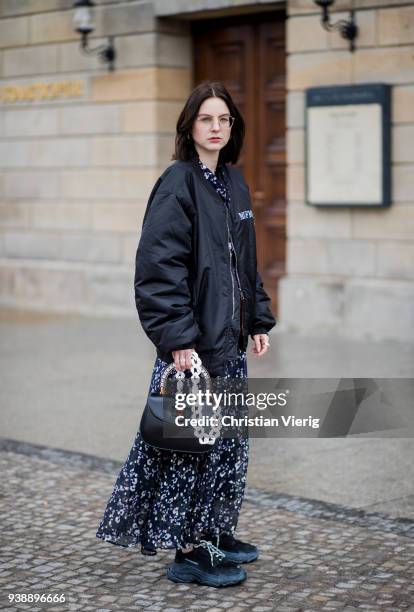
point(314, 556)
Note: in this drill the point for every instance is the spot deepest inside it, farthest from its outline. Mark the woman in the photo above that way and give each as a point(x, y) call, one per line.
point(196, 288)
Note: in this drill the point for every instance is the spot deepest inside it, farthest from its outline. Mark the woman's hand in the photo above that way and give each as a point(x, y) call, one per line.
point(261, 344)
point(182, 359)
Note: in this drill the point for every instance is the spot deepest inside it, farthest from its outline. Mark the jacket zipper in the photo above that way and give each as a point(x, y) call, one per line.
point(242, 296)
point(237, 266)
point(229, 243)
point(231, 246)
point(242, 315)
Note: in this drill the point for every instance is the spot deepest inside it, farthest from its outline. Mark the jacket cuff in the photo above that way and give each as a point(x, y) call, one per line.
point(259, 330)
point(181, 347)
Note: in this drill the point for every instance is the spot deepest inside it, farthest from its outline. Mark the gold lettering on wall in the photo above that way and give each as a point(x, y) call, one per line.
point(10, 94)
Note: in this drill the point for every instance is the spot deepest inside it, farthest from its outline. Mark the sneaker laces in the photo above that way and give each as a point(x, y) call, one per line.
point(213, 550)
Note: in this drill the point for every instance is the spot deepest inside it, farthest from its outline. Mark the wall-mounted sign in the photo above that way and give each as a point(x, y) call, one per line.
point(31, 92)
point(348, 145)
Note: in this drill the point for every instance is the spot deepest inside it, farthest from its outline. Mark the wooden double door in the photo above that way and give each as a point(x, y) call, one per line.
point(247, 53)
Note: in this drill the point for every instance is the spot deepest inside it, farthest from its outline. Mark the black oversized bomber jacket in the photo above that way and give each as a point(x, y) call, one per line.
point(183, 283)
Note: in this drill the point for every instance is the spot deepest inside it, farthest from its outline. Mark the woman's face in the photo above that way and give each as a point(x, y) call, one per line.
point(209, 130)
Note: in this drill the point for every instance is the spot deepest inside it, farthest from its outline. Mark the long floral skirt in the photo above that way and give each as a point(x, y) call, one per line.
point(163, 499)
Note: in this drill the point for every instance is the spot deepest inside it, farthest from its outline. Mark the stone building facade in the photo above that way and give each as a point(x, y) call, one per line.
point(352, 271)
point(81, 148)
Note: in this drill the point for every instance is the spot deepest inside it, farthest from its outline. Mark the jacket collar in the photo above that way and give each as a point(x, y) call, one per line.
point(195, 167)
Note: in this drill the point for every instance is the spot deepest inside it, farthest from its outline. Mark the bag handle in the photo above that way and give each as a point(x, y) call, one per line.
point(196, 368)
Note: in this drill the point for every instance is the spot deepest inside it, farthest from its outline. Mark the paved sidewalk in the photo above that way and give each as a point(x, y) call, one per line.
point(314, 556)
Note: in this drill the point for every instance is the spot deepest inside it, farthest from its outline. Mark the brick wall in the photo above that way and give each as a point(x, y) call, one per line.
point(75, 173)
point(351, 271)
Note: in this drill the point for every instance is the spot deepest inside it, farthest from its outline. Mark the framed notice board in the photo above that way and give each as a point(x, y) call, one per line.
point(348, 145)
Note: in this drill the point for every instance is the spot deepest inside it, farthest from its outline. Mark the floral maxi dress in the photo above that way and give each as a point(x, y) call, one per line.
point(164, 499)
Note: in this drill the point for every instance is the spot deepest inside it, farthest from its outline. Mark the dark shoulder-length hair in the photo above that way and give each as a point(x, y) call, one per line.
point(184, 144)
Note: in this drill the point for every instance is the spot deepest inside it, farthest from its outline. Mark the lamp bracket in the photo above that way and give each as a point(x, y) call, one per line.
point(106, 52)
point(347, 29)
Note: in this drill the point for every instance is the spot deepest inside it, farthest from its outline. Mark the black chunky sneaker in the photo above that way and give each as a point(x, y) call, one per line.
point(235, 550)
point(206, 565)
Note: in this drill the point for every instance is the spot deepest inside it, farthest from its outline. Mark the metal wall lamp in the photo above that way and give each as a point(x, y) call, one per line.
point(82, 23)
point(347, 29)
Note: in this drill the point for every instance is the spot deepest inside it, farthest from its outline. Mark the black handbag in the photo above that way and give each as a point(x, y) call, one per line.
point(158, 425)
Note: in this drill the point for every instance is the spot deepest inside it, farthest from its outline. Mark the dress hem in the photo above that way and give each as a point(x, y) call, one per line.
point(157, 546)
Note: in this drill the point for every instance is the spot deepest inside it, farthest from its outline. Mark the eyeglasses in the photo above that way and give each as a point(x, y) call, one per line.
point(225, 121)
